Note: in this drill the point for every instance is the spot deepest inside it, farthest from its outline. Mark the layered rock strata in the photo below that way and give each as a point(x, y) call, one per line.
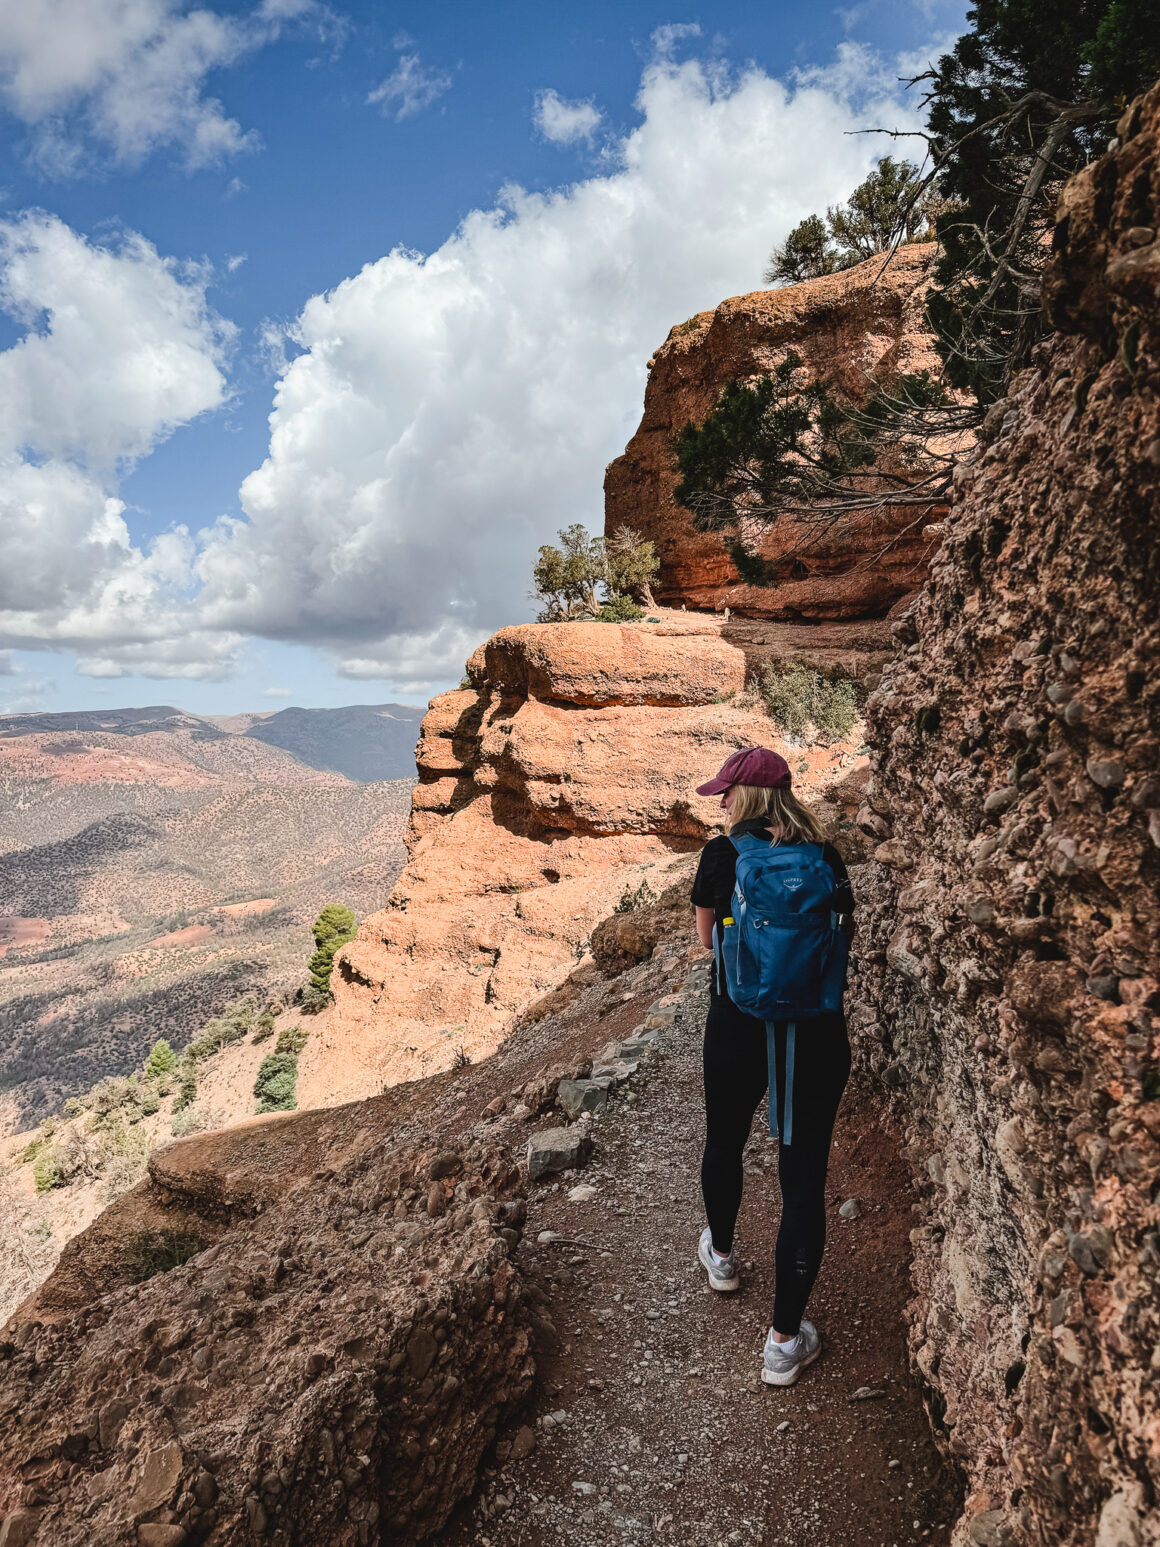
point(1011, 966)
point(557, 782)
point(856, 330)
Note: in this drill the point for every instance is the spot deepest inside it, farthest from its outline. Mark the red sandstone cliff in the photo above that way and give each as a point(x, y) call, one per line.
point(564, 776)
point(855, 329)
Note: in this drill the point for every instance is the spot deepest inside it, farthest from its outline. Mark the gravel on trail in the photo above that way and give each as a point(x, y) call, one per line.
point(650, 1419)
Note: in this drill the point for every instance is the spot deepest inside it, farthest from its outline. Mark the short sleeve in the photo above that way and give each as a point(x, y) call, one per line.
point(707, 881)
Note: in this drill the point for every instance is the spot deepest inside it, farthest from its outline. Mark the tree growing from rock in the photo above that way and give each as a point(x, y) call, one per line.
point(884, 208)
point(1015, 108)
point(593, 577)
point(335, 926)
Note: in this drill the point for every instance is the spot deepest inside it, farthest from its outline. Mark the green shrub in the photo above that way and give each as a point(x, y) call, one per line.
point(161, 1060)
point(122, 1156)
point(220, 1030)
point(150, 1252)
point(46, 1170)
point(619, 609)
point(292, 1039)
point(186, 1120)
point(277, 1083)
point(150, 1102)
point(187, 1086)
point(631, 900)
point(796, 697)
point(264, 1026)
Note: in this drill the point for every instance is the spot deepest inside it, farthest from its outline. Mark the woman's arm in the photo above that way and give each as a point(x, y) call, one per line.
point(705, 926)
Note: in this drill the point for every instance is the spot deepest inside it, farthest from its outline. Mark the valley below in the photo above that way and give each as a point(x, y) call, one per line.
point(146, 880)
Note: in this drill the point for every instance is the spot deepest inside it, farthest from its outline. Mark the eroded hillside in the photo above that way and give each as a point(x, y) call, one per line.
point(146, 879)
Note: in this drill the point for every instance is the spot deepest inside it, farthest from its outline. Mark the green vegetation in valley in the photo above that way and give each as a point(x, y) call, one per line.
point(595, 578)
point(277, 1083)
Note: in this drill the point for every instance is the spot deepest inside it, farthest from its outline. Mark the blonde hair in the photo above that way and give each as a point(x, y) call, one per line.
point(791, 821)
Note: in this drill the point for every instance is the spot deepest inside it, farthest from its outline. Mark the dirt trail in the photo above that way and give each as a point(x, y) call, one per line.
point(650, 1419)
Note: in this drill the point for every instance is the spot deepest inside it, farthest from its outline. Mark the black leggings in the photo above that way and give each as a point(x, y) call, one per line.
point(736, 1075)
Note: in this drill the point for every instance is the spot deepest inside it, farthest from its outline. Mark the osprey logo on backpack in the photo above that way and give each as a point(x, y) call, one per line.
point(791, 883)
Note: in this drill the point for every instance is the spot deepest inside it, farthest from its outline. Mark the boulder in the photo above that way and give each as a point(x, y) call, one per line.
point(557, 1149)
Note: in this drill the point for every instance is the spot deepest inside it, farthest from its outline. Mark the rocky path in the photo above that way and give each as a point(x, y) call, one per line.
point(651, 1420)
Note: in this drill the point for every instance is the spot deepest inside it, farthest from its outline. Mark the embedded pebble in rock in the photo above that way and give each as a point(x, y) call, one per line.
point(851, 1209)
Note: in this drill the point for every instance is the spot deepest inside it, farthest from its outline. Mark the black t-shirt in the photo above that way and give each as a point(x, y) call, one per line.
point(717, 873)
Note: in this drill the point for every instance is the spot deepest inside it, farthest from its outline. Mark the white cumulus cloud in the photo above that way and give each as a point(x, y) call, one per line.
point(128, 76)
point(449, 412)
point(564, 122)
point(119, 349)
point(410, 87)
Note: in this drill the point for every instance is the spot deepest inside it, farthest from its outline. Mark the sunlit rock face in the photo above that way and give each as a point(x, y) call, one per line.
point(856, 330)
point(562, 776)
point(1009, 982)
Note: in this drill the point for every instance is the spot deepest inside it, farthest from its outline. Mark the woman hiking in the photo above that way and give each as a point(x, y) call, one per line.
point(773, 902)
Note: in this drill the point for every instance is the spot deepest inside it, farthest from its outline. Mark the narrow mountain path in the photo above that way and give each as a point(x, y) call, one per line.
point(650, 1419)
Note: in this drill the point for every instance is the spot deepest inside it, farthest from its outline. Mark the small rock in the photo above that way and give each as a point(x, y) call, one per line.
point(557, 1149)
point(999, 800)
point(576, 1096)
point(584, 1488)
point(19, 1528)
point(851, 1209)
point(1108, 775)
point(161, 1535)
point(546, 1237)
point(990, 1529)
point(581, 1193)
point(446, 1164)
point(865, 1394)
point(524, 1442)
point(783, 1426)
point(1104, 988)
point(109, 1420)
point(157, 1479)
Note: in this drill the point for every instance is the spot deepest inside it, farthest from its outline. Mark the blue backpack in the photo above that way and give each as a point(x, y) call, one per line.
point(784, 952)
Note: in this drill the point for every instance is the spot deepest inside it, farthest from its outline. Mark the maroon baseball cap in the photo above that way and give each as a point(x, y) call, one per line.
point(752, 765)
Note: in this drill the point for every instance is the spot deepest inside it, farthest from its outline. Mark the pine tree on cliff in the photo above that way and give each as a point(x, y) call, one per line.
point(569, 580)
point(335, 926)
point(881, 208)
point(1018, 105)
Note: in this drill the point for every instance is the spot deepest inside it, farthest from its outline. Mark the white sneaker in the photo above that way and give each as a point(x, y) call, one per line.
point(780, 1369)
point(722, 1274)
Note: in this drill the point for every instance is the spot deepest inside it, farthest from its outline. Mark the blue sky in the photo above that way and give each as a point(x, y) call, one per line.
point(235, 178)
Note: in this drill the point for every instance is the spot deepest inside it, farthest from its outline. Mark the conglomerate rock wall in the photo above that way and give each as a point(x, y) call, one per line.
point(1009, 983)
point(327, 1369)
point(855, 330)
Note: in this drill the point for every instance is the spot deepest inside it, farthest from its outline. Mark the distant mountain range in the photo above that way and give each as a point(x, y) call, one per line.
point(365, 742)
